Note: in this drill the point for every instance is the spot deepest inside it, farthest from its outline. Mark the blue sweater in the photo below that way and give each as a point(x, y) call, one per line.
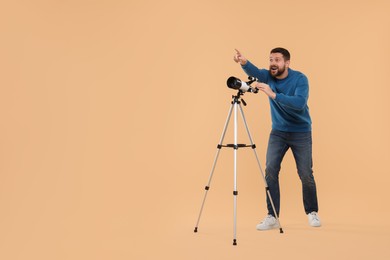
point(289, 110)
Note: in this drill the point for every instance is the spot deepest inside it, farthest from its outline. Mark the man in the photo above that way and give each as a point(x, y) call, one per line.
point(288, 92)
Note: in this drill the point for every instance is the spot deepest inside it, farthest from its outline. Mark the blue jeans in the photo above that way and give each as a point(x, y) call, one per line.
point(301, 147)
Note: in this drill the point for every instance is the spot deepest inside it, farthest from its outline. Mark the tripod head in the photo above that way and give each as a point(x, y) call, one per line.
point(237, 97)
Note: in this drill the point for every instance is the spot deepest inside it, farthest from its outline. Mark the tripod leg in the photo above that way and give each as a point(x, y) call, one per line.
point(213, 167)
point(261, 170)
point(235, 192)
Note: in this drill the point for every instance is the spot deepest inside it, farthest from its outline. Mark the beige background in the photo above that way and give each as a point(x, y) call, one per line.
point(111, 111)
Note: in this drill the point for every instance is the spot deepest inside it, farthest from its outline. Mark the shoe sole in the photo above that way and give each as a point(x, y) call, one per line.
point(267, 228)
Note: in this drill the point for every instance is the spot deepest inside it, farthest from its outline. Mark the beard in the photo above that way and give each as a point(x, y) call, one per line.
point(275, 71)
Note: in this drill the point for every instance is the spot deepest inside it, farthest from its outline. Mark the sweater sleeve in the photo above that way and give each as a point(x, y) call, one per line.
point(253, 71)
point(298, 100)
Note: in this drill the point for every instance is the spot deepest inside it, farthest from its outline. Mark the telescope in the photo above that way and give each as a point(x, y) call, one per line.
point(236, 83)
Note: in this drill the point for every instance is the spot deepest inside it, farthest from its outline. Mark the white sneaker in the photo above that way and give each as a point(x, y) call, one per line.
point(268, 223)
point(314, 220)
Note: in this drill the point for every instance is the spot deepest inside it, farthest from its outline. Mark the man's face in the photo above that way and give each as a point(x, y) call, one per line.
point(277, 65)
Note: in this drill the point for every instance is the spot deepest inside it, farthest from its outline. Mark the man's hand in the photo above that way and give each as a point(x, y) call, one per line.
point(239, 58)
point(266, 89)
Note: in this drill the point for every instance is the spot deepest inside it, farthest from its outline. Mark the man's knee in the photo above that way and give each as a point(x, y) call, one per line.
point(307, 179)
point(272, 174)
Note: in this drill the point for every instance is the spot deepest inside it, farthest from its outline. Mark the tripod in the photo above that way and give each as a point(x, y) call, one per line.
point(236, 103)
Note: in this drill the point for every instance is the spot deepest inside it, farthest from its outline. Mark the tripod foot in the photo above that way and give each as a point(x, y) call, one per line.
point(196, 229)
point(281, 230)
point(234, 242)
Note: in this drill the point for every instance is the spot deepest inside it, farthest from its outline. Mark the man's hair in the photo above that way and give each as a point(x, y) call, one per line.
point(283, 51)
